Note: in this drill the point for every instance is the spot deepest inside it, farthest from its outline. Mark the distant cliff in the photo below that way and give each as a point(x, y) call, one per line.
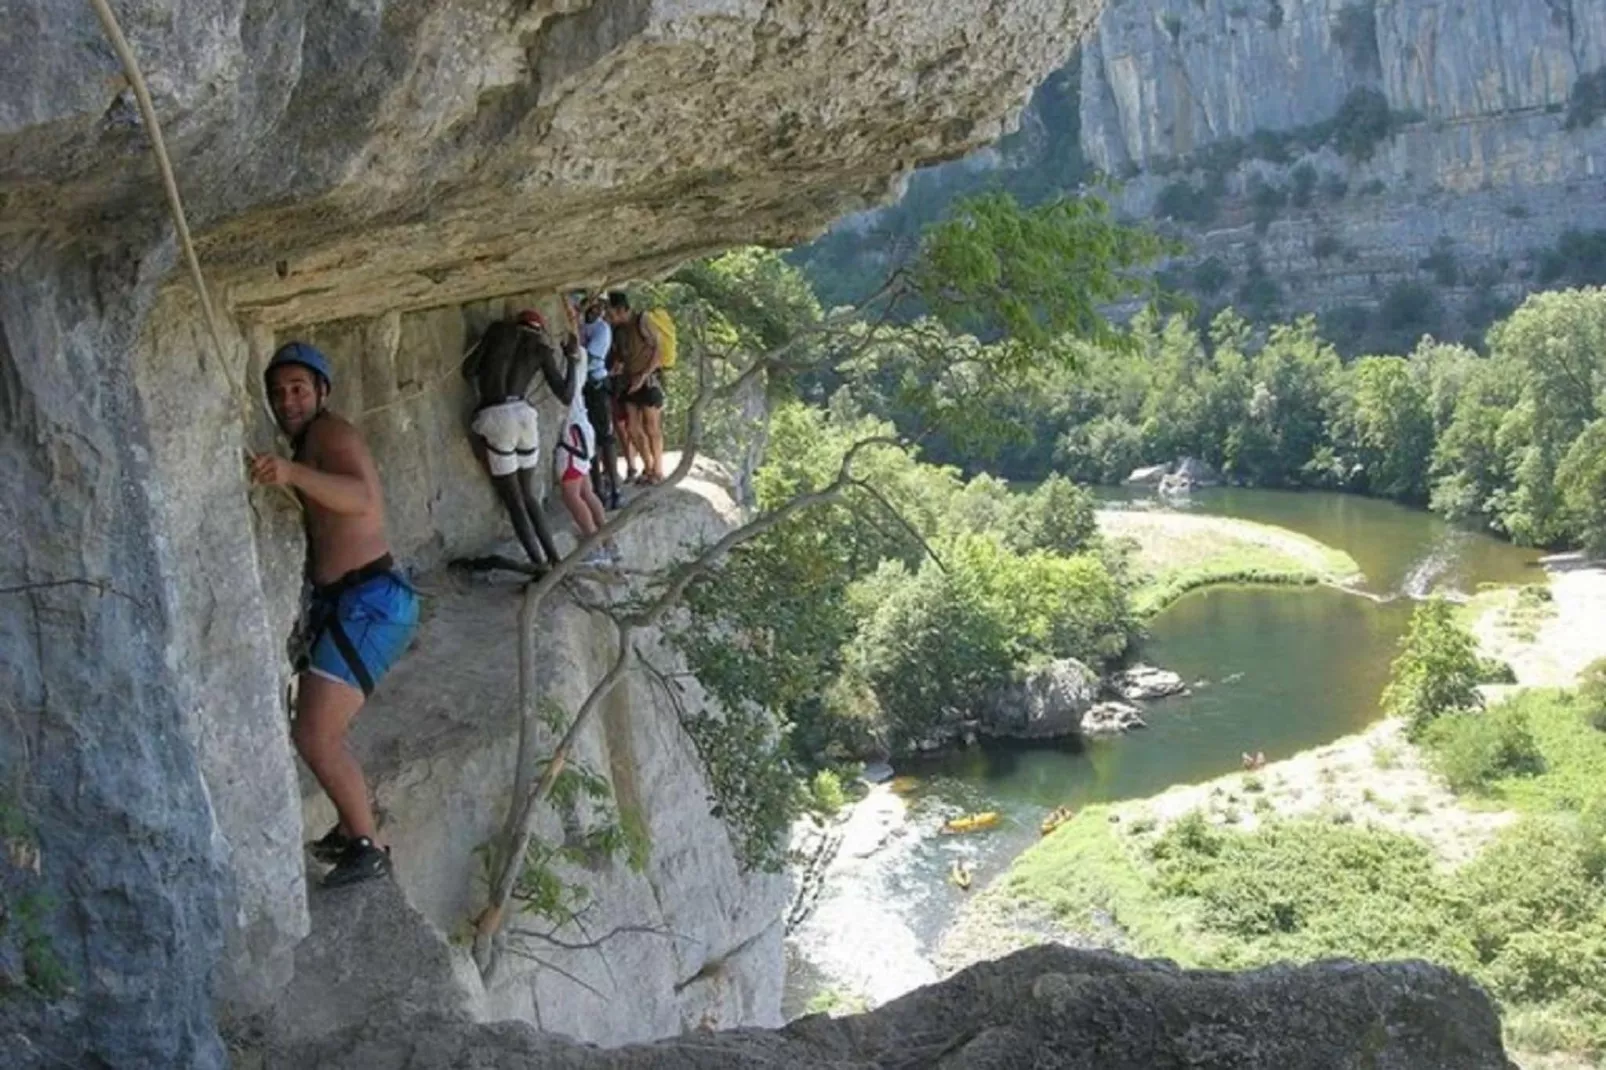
point(1399, 166)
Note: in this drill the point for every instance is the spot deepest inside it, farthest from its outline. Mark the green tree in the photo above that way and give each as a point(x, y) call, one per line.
point(1437, 670)
point(1058, 516)
point(1386, 426)
point(940, 643)
point(1559, 340)
point(1581, 479)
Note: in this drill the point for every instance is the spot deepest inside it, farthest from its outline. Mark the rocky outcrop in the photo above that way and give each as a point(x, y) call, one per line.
point(1149, 475)
point(1112, 718)
point(1048, 702)
point(1142, 682)
point(1045, 1006)
point(357, 174)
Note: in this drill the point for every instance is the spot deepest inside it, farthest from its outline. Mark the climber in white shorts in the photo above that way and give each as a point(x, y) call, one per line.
point(502, 366)
point(512, 433)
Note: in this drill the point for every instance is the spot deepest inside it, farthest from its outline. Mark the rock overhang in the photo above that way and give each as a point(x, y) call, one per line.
point(346, 160)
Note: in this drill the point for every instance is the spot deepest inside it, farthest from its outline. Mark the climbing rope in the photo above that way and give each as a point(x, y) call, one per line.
point(175, 204)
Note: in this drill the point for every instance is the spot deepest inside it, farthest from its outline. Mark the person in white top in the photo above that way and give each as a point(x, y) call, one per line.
point(573, 460)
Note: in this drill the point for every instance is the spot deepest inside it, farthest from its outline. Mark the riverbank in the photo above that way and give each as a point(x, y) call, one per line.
point(1355, 848)
point(1547, 634)
point(1174, 553)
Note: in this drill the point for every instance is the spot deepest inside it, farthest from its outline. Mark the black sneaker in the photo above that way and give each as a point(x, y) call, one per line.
point(330, 847)
point(361, 861)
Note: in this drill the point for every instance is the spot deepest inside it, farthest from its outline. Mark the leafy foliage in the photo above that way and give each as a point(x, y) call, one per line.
point(1473, 750)
point(942, 643)
point(1035, 276)
point(1588, 100)
point(1437, 671)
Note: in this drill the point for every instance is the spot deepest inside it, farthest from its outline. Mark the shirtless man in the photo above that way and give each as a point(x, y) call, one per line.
point(361, 613)
point(502, 367)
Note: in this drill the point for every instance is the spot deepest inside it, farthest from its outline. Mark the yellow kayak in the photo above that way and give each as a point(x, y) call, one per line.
point(1054, 820)
point(971, 822)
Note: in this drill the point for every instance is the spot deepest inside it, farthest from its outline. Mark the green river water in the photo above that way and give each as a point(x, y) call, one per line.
point(1271, 669)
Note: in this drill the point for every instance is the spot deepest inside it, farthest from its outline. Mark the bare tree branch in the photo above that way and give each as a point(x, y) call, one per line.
point(597, 942)
point(520, 828)
point(892, 511)
point(530, 956)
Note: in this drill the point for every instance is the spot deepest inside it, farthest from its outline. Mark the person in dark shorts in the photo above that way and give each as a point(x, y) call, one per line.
point(643, 395)
point(360, 613)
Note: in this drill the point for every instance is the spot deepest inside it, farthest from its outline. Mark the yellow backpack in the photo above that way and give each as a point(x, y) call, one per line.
point(663, 328)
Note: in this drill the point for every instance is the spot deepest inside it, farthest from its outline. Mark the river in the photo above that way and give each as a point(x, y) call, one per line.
point(1271, 669)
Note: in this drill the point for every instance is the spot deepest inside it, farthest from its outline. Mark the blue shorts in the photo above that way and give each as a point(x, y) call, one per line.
point(357, 632)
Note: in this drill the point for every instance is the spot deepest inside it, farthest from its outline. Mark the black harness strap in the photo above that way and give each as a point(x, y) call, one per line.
point(327, 598)
point(348, 650)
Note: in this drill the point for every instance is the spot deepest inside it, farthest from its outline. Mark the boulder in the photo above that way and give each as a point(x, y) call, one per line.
point(1150, 476)
point(1049, 702)
point(1146, 682)
point(1046, 1006)
point(1196, 472)
point(1112, 718)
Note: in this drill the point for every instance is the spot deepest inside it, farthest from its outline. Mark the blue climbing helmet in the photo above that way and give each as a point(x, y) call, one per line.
point(308, 356)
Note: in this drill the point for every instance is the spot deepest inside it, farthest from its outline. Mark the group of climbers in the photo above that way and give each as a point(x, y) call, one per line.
point(359, 611)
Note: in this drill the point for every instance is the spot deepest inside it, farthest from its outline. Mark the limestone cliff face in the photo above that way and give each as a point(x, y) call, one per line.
point(1165, 78)
point(361, 174)
point(1487, 164)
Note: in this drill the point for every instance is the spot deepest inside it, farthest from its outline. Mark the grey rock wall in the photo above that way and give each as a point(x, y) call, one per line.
point(98, 753)
point(1042, 1007)
point(1481, 164)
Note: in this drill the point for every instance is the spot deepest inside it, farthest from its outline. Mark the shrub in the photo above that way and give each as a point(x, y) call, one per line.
point(1409, 306)
point(1325, 245)
point(1436, 671)
point(1495, 671)
point(1472, 750)
point(1588, 100)
point(1210, 275)
point(1304, 179)
point(1592, 692)
point(826, 794)
point(1373, 188)
point(1362, 123)
point(1334, 188)
point(1442, 263)
point(1058, 516)
point(1266, 200)
point(1578, 258)
point(1187, 203)
point(1260, 295)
